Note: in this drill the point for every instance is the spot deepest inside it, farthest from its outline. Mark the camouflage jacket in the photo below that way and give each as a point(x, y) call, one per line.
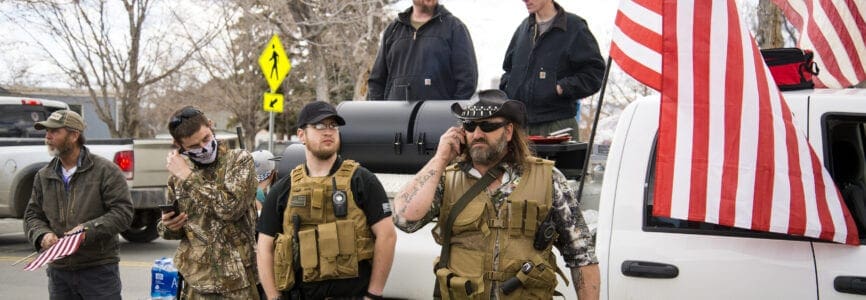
point(217, 244)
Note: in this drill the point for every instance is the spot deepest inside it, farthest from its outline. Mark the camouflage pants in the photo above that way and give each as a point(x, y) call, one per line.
point(247, 293)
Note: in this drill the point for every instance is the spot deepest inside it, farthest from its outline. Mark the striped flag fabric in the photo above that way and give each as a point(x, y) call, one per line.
point(64, 247)
point(728, 152)
point(836, 31)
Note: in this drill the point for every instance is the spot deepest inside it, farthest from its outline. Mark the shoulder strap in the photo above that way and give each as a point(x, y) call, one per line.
point(473, 191)
point(343, 176)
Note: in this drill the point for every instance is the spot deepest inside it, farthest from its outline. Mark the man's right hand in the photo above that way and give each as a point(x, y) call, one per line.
point(48, 240)
point(173, 222)
point(451, 143)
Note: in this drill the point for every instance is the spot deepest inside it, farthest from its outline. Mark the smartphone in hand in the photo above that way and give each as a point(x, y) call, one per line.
point(166, 208)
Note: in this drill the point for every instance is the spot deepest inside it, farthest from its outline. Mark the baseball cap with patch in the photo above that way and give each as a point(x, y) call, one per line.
point(62, 118)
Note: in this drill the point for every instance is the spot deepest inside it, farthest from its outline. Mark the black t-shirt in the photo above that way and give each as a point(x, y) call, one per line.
point(368, 192)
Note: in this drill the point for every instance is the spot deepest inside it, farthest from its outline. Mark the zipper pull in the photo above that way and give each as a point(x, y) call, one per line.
point(414, 34)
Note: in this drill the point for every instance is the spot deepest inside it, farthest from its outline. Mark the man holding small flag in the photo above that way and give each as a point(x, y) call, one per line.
point(80, 202)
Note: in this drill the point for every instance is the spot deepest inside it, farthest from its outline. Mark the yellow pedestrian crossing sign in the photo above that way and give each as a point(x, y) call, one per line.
point(273, 102)
point(274, 63)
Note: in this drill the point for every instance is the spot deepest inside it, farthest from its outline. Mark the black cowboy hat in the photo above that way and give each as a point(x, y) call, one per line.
point(491, 103)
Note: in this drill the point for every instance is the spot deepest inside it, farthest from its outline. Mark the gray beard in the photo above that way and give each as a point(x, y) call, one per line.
point(490, 155)
point(59, 150)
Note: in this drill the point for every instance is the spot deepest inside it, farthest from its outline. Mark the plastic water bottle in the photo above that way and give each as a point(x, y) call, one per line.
point(163, 284)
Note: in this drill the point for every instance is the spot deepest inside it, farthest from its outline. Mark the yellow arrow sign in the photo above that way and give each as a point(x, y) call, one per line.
point(274, 63)
point(273, 102)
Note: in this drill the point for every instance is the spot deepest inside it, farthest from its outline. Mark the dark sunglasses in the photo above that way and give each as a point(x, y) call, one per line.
point(485, 126)
point(185, 113)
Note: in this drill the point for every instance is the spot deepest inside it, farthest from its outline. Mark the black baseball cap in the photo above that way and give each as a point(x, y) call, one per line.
point(317, 111)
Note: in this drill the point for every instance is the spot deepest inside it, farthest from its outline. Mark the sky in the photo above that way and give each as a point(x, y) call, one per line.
point(491, 24)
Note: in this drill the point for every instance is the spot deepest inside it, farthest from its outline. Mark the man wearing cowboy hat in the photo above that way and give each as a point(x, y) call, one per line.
point(499, 208)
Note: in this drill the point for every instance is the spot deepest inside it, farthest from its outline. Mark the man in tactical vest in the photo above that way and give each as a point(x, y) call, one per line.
point(212, 187)
point(500, 210)
point(325, 230)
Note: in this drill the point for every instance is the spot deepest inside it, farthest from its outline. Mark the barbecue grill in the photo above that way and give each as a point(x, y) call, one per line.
point(401, 136)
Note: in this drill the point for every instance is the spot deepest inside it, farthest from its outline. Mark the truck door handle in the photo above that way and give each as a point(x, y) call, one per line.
point(635, 268)
point(850, 284)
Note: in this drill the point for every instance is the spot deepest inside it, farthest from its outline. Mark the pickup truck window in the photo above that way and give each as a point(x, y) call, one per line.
point(16, 121)
point(845, 136)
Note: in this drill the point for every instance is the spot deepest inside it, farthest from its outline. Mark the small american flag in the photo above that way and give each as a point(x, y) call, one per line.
point(66, 246)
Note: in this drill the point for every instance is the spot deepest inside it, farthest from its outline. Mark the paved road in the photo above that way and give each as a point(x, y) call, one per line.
point(15, 283)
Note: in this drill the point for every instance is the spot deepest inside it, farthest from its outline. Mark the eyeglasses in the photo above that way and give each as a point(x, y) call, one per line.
point(323, 126)
point(485, 126)
point(185, 113)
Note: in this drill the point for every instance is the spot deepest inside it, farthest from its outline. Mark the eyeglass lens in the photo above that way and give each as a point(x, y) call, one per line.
point(323, 126)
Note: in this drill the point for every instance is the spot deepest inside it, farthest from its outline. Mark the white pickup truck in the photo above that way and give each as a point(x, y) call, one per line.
point(23, 153)
point(644, 257)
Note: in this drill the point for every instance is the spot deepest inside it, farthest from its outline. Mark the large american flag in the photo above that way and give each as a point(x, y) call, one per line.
point(66, 246)
point(836, 30)
point(728, 152)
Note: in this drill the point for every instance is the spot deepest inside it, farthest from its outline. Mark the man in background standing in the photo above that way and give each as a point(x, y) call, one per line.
point(76, 191)
point(426, 54)
point(552, 62)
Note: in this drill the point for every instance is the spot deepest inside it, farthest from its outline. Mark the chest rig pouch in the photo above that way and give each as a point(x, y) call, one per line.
point(332, 231)
point(492, 244)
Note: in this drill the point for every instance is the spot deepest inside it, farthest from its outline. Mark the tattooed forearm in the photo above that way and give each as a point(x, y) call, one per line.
point(407, 196)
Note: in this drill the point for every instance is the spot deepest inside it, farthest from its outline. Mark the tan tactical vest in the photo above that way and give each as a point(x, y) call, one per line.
point(481, 230)
point(330, 248)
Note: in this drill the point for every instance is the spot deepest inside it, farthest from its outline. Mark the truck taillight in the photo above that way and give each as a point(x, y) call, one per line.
point(30, 102)
point(125, 160)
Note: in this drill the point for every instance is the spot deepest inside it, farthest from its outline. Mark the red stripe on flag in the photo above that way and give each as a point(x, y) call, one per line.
point(824, 216)
point(733, 122)
point(637, 70)
point(797, 206)
point(638, 33)
point(765, 165)
point(668, 115)
point(701, 100)
point(653, 5)
point(858, 19)
point(844, 36)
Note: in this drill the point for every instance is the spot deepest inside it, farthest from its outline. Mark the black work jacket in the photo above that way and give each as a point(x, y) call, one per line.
point(435, 62)
point(567, 54)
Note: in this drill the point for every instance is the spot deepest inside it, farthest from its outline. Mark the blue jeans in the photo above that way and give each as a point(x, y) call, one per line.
point(97, 282)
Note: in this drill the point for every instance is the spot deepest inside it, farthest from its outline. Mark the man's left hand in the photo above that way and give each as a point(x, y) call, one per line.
point(558, 90)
